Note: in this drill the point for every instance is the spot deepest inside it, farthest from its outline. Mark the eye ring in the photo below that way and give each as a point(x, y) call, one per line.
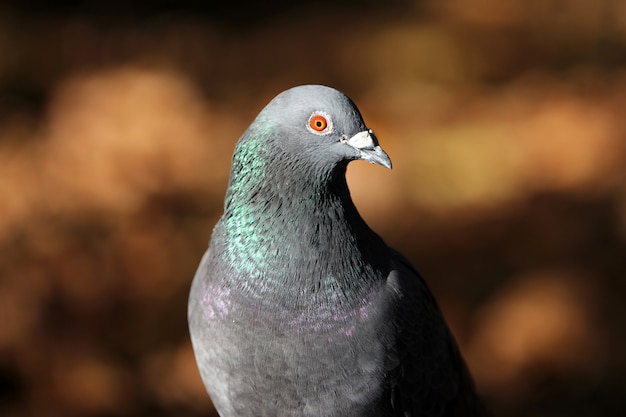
point(320, 123)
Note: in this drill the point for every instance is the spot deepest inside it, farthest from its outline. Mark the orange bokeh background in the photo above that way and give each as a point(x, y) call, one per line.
point(504, 121)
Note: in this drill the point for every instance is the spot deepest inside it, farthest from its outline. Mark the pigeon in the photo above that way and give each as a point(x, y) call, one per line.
point(298, 308)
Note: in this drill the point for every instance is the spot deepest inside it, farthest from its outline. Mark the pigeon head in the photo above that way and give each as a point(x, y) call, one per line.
point(319, 127)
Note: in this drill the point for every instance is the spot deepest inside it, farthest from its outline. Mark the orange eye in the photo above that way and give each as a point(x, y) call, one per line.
point(318, 122)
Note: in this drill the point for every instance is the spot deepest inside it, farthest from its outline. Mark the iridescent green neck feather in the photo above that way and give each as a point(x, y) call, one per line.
point(283, 218)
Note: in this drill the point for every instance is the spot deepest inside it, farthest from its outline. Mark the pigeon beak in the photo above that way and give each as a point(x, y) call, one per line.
point(367, 144)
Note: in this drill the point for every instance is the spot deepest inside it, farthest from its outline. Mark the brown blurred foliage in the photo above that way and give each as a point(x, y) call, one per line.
point(504, 119)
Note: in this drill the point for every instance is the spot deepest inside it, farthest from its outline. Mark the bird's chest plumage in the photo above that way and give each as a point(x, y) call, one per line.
point(315, 355)
point(291, 311)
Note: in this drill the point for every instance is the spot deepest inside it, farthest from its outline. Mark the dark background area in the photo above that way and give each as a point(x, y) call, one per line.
point(504, 120)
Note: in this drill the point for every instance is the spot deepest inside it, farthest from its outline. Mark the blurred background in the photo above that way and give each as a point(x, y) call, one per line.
point(504, 120)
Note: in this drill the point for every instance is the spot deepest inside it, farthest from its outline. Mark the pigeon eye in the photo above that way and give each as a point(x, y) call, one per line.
point(320, 123)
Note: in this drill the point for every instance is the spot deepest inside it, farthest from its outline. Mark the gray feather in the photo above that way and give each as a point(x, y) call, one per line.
point(298, 308)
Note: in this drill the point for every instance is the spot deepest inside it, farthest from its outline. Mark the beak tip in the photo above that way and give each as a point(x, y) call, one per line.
point(365, 142)
point(387, 164)
point(376, 156)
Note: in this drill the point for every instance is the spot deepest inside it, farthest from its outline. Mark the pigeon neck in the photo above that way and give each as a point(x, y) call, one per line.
point(303, 229)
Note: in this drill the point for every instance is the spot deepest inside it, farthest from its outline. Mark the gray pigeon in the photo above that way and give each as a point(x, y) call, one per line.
point(298, 308)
